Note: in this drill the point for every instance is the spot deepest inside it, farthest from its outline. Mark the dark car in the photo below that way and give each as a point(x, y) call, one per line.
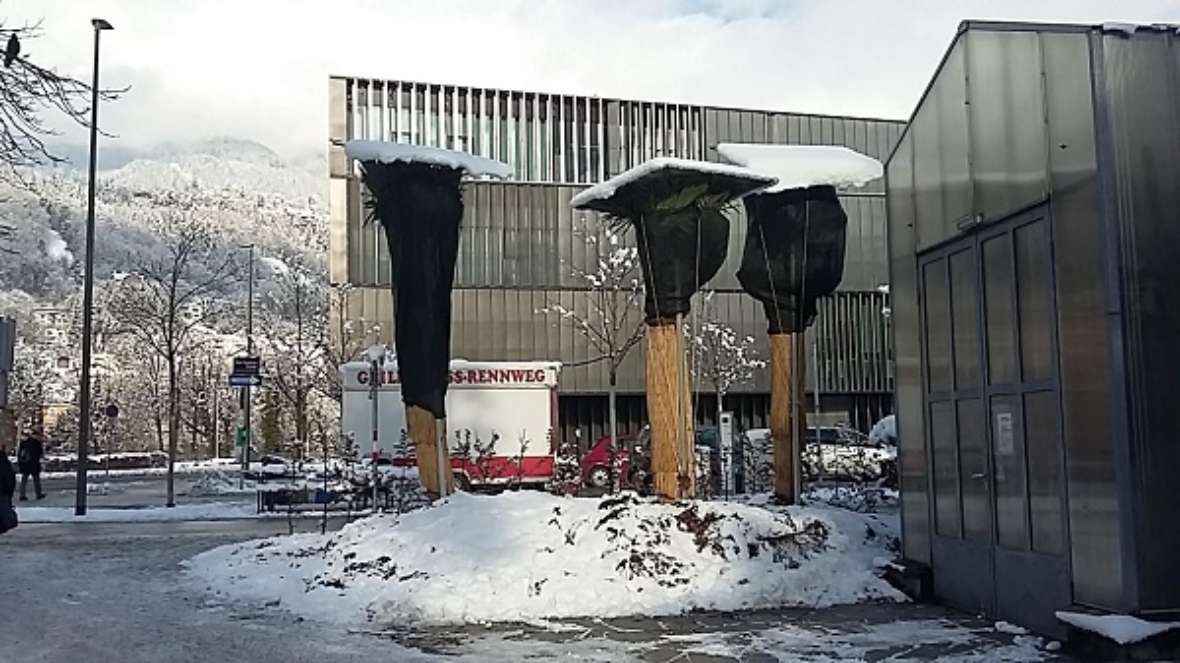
point(270, 466)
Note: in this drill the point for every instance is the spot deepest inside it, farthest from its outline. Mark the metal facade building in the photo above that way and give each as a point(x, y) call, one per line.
point(520, 239)
point(1033, 202)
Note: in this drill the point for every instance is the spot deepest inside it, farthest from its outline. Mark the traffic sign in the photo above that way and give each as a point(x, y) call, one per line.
point(247, 366)
point(240, 380)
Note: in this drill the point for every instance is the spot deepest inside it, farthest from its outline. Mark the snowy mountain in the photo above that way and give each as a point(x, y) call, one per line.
point(239, 191)
point(218, 164)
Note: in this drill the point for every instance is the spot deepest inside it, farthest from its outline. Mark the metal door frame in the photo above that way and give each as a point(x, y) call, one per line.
point(968, 577)
point(982, 575)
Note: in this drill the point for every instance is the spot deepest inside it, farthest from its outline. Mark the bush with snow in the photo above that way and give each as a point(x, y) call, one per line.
point(530, 555)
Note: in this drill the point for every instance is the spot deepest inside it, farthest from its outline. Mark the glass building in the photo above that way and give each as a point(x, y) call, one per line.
point(1033, 242)
point(520, 239)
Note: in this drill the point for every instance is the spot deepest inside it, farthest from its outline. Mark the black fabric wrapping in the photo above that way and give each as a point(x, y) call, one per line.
point(421, 208)
point(672, 271)
point(788, 274)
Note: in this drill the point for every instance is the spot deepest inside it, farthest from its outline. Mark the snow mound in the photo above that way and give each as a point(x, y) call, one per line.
point(383, 152)
point(216, 482)
point(1123, 629)
point(884, 431)
point(526, 556)
point(799, 166)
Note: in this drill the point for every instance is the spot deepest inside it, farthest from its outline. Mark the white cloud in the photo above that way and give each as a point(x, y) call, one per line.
point(259, 69)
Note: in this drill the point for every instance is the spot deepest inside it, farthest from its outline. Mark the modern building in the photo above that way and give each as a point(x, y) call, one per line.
point(520, 239)
point(1033, 206)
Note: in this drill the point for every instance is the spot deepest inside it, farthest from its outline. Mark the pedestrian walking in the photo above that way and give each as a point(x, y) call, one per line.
point(28, 458)
point(8, 519)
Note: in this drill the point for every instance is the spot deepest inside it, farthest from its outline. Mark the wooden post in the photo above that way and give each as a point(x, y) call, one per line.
point(420, 425)
point(685, 430)
point(668, 408)
point(798, 407)
point(781, 430)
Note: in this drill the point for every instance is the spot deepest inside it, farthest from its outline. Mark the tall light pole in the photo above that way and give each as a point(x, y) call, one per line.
point(246, 406)
point(88, 287)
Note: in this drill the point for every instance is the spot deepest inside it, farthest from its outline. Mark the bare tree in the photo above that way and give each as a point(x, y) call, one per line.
point(27, 92)
point(718, 355)
point(348, 339)
point(167, 301)
point(295, 344)
point(612, 324)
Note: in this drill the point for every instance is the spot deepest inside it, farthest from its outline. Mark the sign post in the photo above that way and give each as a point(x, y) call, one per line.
point(376, 355)
point(247, 373)
point(725, 446)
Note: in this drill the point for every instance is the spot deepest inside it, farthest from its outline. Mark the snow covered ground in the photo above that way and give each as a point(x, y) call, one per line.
point(523, 556)
point(1123, 629)
point(108, 592)
point(178, 513)
point(181, 467)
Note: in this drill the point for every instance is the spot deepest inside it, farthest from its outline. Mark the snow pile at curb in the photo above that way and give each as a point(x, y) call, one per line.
point(524, 556)
point(180, 512)
point(1123, 629)
point(216, 482)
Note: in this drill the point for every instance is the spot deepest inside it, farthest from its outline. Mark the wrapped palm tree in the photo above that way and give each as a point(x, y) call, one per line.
point(677, 209)
point(417, 199)
point(794, 255)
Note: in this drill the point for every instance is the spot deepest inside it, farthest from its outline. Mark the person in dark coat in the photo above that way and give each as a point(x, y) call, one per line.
point(7, 487)
point(28, 458)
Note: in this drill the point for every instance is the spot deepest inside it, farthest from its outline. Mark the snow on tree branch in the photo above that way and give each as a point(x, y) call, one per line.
point(27, 91)
point(717, 354)
point(611, 322)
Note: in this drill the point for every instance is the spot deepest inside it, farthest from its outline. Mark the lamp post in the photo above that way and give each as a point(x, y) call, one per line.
point(376, 354)
point(88, 287)
point(247, 401)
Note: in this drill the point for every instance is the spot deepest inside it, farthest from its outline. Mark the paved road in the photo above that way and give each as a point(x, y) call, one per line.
point(80, 593)
point(124, 491)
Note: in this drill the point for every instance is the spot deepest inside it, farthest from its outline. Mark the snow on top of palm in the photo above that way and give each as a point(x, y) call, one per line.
point(606, 190)
point(384, 152)
point(799, 166)
point(545, 556)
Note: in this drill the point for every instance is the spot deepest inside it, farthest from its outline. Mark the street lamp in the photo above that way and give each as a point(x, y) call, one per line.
point(247, 401)
point(376, 355)
point(88, 286)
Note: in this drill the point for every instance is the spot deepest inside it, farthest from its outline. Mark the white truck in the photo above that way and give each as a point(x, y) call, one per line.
point(512, 403)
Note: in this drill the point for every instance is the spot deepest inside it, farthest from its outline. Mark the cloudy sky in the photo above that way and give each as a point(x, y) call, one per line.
point(258, 69)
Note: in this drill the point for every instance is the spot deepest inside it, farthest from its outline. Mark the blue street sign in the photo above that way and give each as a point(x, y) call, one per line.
point(236, 380)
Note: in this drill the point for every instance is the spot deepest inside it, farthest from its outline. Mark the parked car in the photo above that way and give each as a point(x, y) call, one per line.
point(845, 454)
point(596, 462)
point(832, 453)
point(634, 459)
point(270, 466)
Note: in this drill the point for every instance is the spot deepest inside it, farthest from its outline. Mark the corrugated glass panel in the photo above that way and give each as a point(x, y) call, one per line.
point(930, 217)
point(952, 129)
point(946, 487)
point(1001, 321)
point(965, 305)
point(1033, 262)
point(1008, 148)
point(973, 473)
point(1044, 471)
point(1008, 445)
point(936, 307)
